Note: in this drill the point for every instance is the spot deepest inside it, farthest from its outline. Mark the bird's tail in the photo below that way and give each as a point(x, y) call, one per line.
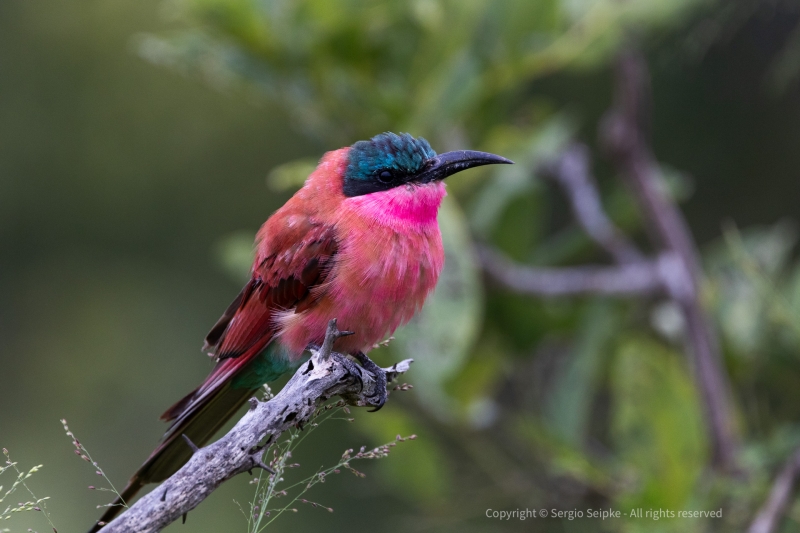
point(199, 416)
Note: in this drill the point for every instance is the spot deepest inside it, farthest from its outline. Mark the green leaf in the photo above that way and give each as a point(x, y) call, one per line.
point(572, 394)
point(656, 425)
point(527, 149)
point(743, 273)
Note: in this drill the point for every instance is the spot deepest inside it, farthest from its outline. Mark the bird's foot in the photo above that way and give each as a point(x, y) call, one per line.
point(349, 365)
point(380, 395)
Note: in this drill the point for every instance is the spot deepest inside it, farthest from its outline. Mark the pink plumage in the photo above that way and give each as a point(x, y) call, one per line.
point(389, 258)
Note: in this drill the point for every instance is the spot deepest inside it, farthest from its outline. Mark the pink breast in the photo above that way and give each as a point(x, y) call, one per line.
point(390, 256)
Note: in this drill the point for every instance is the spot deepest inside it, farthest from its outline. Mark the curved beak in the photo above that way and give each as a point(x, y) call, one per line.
point(448, 163)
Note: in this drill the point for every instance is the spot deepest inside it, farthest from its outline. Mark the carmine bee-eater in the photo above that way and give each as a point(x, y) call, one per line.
point(359, 242)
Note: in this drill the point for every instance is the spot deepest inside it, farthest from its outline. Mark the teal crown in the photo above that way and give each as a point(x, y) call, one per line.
point(388, 151)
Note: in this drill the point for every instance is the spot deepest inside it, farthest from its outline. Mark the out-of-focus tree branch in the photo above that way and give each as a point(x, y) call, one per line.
point(632, 279)
point(325, 375)
point(625, 136)
point(633, 275)
point(675, 272)
point(571, 171)
point(769, 515)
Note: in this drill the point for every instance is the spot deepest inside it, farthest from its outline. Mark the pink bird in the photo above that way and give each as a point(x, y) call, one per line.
point(359, 242)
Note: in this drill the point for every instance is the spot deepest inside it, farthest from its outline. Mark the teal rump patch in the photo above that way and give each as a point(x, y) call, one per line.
point(268, 366)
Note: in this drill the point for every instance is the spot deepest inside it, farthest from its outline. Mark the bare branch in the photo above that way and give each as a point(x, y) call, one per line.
point(325, 375)
point(331, 334)
point(676, 272)
point(633, 279)
point(768, 517)
point(571, 171)
point(624, 134)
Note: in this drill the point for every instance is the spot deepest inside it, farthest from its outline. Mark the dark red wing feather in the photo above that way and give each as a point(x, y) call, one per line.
point(282, 280)
point(215, 335)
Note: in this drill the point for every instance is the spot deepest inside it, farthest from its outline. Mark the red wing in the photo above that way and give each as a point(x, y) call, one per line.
point(282, 280)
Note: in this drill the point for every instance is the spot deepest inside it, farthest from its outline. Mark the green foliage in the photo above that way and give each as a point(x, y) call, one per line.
point(656, 425)
point(528, 148)
point(747, 270)
point(428, 483)
point(21, 481)
point(568, 409)
point(352, 68)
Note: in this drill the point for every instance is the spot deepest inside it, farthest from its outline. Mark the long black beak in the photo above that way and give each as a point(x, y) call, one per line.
point(448, 163)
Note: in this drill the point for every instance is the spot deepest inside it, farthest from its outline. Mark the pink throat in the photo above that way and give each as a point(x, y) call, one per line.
point(406, 205)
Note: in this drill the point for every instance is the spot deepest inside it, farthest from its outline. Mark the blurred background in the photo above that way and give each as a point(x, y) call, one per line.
point(143, 143)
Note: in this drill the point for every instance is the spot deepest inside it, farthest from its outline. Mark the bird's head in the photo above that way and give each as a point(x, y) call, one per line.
point(389, 160)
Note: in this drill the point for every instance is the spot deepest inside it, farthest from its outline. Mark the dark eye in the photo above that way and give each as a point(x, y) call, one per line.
point(385, 176)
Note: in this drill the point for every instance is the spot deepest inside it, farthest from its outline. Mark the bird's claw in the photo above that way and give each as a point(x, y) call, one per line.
point(379, 397)
point(380, 380)
point(349, 365)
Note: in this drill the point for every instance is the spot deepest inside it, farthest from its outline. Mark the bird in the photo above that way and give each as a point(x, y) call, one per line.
point(359, 242)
